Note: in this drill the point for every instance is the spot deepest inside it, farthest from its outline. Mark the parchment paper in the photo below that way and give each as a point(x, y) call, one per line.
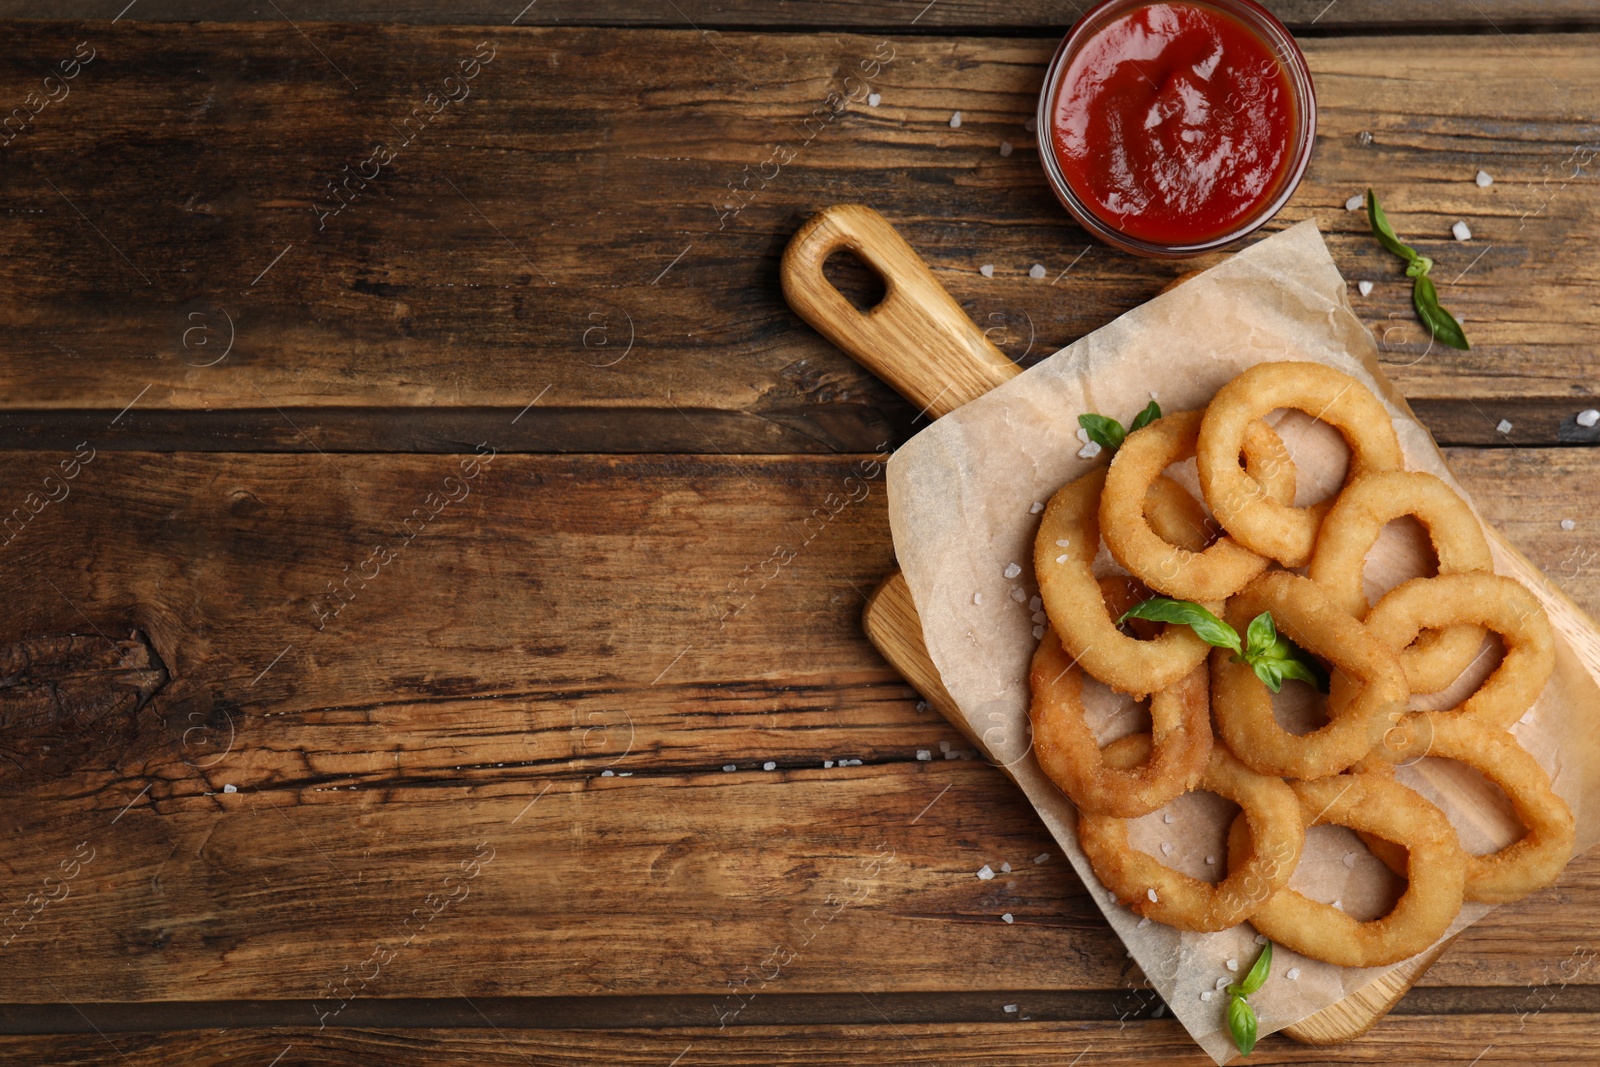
point(961, 496)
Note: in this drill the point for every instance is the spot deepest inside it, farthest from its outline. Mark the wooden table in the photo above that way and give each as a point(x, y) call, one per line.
point(467, 581)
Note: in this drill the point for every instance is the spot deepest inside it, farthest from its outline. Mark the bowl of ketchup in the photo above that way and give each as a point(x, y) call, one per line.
point(1172, 129)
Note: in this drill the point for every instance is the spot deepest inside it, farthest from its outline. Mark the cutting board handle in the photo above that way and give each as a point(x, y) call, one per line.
point(917, 338)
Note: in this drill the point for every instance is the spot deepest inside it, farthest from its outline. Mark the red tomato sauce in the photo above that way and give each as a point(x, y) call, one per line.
point(1173, 123)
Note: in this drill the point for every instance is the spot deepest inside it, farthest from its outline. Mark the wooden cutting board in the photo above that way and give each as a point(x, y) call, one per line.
point(920, 341)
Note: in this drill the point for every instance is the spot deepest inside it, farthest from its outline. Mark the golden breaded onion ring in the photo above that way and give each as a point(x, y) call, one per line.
point(1358, 713)
point(1211, 573)
point(1063, 551)
point(1271, 819)
point(1532, 862)
point(1435, 869)
point(1367, 504)
point(1070, 756)
point(1501, 604)
point(1281, 531)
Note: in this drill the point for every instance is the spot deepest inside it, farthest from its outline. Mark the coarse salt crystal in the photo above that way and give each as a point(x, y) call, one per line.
point(1007, 919)
point(1233, 965)
point(735, 766)
point(608, 774)
point(1349, 859)
point(955, 121)
point(1568, 524)
point(977, 598)
point(1483, 179)
point(1167, 818)
point(1261, 939)
point(1211, 860)
point(987, 270)
point(1503, 426)
point(1043, 857)
point(1151, 893)
point(1035, 508)
point(1293, 974)
point(1005, 148)
point(1354, 203)
point(1588, 418)
point(952, 755)
point(825, 765)
point(924, 754)
point(1089, 451)
point(230, 789)
point(873, 99)
point(1338, 904)
point(1005, 868)
point(849, 763)
point(769, 766)
point(1010, 1007)
point(1222, 983)
point(1062, 543)
point(1019, 594)
point(1461, 231)
point(1031, 124)
point(1061, 558)
point(1205, 994)
point(985, 873)
point(1166, 848)
point(1040, 617)
point(1012, 570)
point(1038, 632)
point(1365, 288)
point(944, 746)
point(1035, 603)
point(1036, 271)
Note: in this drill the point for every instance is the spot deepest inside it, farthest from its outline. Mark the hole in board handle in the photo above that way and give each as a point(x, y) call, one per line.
point(855, 279)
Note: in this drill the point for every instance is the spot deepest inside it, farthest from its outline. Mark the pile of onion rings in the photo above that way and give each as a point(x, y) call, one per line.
point(1213, 722)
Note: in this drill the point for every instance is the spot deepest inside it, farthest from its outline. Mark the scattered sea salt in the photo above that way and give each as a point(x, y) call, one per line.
point(1089, 451)
point(1365, 137)
point(1010, 1007)
point(1035, 508)
point(1036, 271)
point(1012, 570)
point(1167, 818)
point(944, 746)
point(1007, 919)
point(849, 763)
point(1339, 904)
point(1031, 125)
point(825, 765)
point(735, 766)
point(1222, 983)
point(987, 270)
point(769, 766)
point(1063, 543)
point(1293, 974)
point(1483, 179)
point(1365, 288)
point(1038, 633)
point(955, 121)
point(1005, 148)
point(977, 598)
point(1205, 994)
point(230, 789)
point(1588, 418)
point(1211, 860)
point(924, 755)
point(985, 873)
point(1349, 859)
point(1019, 594)
point(1040, 617)
point(1503, 426)
point(1354, 203)
point(1166, 848)
point(1005, 868)
point(1261, 939)
point(1461, 231)
point(874, 99)
point(952, 755)
point(1151, 893)
point(1063, 557)
point(1568, 524)
point(1233, 965)
point(1035, 603)
point(608, 774)
point(1043, 857)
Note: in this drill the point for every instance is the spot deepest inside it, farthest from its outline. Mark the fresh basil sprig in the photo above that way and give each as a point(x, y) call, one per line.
point(1241, 1016)
point(1109, 434)
point(1424, 295)
point(1272, 656)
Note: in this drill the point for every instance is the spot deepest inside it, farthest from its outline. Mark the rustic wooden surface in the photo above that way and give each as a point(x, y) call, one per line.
point(691, 601)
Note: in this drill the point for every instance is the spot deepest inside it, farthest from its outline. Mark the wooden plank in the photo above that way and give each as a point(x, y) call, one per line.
point(566, 617)
point(1486, 1040)
point(981, 16)
point(481, 271)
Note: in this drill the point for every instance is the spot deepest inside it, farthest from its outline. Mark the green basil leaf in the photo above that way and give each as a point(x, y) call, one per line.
point(1107, 433)
point(1303, 670)
point(1257, 977)
point(1384, 232)
point(1440, 322)
point(1260, 637)
point(1151, 412)
point(1242, 1024)
point(1212, 630)
point(1270, 672)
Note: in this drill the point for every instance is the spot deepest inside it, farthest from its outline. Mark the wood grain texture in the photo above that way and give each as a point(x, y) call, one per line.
point(598, 187)
point(1486, 1040)
point(979, 16)
point(568, 616)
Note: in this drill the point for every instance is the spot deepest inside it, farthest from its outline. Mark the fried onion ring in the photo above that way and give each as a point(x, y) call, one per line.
point(1281, 531)
point(1435, 869)
point(1532, 862)
point(1167, 566)
point(1367, 504)
point(1358, 714)
point(1063, 551)
point(1271, 818)
point(1069, 754)
point(1501, 604)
